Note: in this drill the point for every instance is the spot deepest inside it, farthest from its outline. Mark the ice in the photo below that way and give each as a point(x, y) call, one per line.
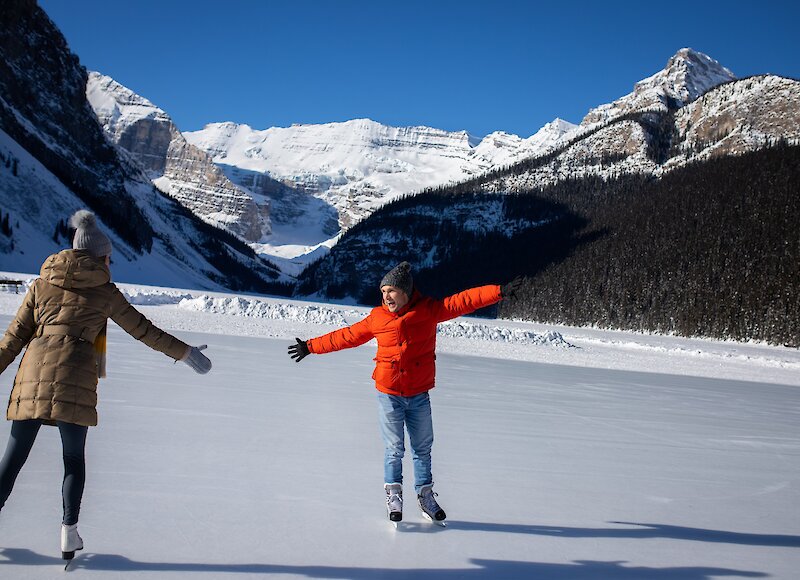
point(552, 462)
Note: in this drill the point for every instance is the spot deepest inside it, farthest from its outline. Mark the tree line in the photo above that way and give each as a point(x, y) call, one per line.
point(710, 249)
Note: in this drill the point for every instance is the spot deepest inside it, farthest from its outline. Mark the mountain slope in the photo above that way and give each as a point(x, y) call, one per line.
point(178, 168)
point(687, 75)
point(60, 161)
point(709, 249)
point(322, 179)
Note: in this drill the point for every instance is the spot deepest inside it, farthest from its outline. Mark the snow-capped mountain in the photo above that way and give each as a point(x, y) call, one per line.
point(732, 118)
point(357, 166)
point(179, 169)
point(322, 178)
point(643, 145)
point(688, 75)
point(56, 159)
point(361, 164)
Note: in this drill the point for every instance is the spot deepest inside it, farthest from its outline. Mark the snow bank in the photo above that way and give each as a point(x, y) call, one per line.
point(461, 329)
point(236, 306)
point(723, 352)
point(184, 310)
point(153, 297)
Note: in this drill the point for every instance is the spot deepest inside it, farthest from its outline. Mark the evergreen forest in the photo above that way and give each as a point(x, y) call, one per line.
point(711, 249)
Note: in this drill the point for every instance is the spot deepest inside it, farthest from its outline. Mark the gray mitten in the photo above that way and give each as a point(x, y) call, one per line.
point(197, 360)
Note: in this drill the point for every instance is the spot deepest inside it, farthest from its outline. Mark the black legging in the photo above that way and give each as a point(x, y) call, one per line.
point(73, 443)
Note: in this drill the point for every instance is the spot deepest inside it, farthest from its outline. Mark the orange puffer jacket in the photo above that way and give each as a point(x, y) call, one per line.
point(405, 362)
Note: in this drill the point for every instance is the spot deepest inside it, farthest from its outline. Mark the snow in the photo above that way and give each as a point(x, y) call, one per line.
point(610, 455)
point(353, 168)
point(117, 113)
point(34, 220)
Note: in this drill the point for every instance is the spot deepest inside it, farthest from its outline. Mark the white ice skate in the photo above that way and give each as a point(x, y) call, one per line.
point(394, 502)
point(71, 541)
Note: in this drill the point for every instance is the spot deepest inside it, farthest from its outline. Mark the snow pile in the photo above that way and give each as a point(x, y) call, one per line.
point(461, 329)
point(726, 351)
point(154, 296)
point(236, 306)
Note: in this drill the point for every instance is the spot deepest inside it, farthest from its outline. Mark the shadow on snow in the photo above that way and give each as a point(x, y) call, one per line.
point(641, 532)
point(494, 569)
point(482, 568)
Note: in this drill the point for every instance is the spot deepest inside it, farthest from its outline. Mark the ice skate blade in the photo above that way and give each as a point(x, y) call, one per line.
point(68, 558)
point(441, 523)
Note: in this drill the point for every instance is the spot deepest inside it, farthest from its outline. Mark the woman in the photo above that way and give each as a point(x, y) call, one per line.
point(62, 321)
point(405, 327)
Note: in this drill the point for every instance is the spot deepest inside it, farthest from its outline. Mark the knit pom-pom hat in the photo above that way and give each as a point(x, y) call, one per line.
point(400, 277)
point(88, 235)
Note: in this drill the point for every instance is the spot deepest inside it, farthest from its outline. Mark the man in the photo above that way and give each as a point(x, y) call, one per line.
point(405, 328)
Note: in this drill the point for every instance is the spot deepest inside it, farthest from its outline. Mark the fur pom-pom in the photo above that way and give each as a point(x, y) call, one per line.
point(82, 218)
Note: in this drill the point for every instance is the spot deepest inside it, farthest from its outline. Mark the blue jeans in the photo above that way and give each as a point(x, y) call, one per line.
point(414, 413)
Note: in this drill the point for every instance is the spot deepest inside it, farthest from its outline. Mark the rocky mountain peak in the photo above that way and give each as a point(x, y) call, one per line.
point(687, 75)
point(178, 168)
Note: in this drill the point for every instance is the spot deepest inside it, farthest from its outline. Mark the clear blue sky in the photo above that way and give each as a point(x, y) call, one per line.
point(452, 64)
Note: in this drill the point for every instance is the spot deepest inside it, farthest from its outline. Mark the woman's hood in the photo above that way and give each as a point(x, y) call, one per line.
point(75, 269)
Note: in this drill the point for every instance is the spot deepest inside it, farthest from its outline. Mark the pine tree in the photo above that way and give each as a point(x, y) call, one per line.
point(4, 225)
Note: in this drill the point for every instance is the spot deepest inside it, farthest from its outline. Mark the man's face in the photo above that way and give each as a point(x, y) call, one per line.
point(394, 298)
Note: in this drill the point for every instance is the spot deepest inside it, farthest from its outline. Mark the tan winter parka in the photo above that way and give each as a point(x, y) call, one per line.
point(60, 317)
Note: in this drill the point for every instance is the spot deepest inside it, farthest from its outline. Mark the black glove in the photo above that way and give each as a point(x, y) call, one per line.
point(299, 351)
point(510, 289)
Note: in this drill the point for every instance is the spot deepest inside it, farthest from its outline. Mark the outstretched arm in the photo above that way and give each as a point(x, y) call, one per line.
point(348, 337)
point(467, 301)
point(139, 327)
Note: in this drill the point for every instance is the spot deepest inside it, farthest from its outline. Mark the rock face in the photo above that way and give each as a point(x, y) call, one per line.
point(692, 111)
point(738, 117)
point(43, 109)
point(55, 159)
point(178, 168)
point(359, 165)
point(688, 75)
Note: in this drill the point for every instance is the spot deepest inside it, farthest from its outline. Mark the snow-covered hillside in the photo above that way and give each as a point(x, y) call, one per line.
point(187, 174)
point(688, 75)
point(358, 165)
point(56, 159)
point(323, 177)
point(34, 219)
point(616, 456)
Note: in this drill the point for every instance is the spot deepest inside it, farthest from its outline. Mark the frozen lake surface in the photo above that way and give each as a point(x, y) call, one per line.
point(554, 461)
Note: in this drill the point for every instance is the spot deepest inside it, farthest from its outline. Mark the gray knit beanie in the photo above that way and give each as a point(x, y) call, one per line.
point(88, 236)
point(400, 277)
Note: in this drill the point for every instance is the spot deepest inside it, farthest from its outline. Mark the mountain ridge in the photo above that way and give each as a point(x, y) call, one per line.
point(61, 160)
